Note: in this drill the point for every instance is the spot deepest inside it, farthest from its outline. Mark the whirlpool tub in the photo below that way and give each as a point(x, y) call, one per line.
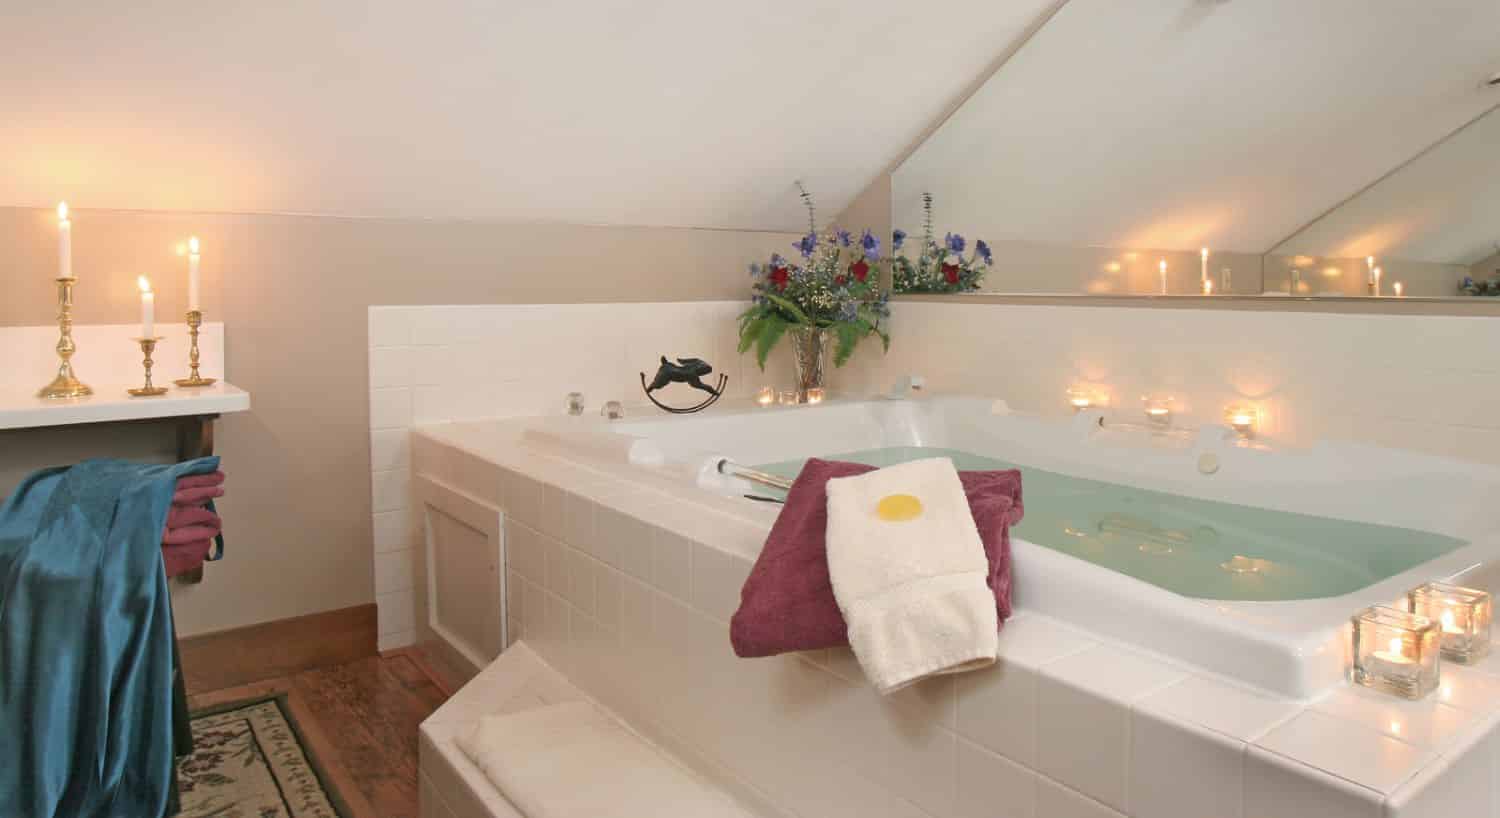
point(1237, 558)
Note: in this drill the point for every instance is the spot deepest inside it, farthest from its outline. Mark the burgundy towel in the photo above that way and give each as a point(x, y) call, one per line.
point(196, 496)
point(193, 533)
point(184, 516)
point(199, 481)
point(179, 559)
point(787, 603)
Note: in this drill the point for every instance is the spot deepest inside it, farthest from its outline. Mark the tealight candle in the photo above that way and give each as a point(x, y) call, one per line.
point(1242, 420)
point(1162, 269)
point(815, 395)
point(1399, 288)
point(1395, 651)
point(788, 397)
point(1208, 286)
point(765, 396)
point(148, 307)
point(1080, 399)
point(65, 242)
point(1462, 613)
point(1158, 411)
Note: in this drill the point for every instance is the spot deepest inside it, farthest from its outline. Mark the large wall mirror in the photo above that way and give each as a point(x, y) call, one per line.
point(1250, 147)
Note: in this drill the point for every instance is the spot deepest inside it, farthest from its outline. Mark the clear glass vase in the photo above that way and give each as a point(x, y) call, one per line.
point(810, 352)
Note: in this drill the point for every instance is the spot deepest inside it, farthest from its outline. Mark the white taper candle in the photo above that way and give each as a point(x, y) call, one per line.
point(193, 305)
point(65, 242)
point(148, 308)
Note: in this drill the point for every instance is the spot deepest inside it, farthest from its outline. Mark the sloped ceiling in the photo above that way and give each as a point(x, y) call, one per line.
point(1442, 207)
point(660, 112)
point(1179, 123)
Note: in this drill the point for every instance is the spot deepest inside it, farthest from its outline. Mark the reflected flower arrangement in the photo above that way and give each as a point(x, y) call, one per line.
point(940, 267)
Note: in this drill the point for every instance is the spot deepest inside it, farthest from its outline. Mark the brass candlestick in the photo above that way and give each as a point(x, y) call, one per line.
point(148, 346)
point(194, 320)
point(65, 385)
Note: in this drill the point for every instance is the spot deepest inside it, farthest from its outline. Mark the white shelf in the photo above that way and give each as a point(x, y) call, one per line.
point(109, 403)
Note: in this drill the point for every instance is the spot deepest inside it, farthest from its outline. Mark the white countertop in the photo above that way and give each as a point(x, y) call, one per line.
point(110, 402)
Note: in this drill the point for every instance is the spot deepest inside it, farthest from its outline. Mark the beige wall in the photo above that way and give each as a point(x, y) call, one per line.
point(1486, 268)
point(292, 292)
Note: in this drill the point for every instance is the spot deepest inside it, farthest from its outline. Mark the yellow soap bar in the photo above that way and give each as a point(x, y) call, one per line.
point(898, 508)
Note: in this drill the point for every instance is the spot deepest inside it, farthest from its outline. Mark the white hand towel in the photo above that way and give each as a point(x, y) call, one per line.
point(572, 761)
point(912, 591)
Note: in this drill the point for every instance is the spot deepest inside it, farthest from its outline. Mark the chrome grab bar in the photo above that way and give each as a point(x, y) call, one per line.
point(775, 481)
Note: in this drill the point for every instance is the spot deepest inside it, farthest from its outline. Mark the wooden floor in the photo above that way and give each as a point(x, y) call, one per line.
point(360, 720)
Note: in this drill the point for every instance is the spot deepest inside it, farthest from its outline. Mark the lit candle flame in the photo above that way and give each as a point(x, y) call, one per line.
point(1396, 646)
point(1203, 252)
point(1448, 624)
point(1399, 288)
point(193, 245)
point(143, 283)
point(62, 211)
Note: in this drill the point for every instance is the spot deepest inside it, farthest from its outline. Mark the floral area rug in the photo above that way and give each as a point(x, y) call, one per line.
point(249, 761)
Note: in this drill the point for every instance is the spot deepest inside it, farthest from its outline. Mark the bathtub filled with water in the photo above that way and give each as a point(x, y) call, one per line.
point(1239, 558)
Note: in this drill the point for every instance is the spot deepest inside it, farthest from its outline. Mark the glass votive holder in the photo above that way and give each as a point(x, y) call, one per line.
point(1395, 651)
point(1158, 411)
point(1080, 399)
point(815, 395)
point(765, 396)
point(1241, 419)
point(788, 397)
point(612, 410)
point(1463, 617)
point(574, 403)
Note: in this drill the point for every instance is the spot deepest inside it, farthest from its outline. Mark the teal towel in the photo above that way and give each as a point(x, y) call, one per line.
point(86, 642)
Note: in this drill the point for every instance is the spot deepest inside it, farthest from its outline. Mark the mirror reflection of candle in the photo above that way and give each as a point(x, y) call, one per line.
point(1162, 266)
point(1399, 289)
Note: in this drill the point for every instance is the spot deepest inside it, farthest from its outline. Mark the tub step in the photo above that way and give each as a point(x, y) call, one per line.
point(572, 760)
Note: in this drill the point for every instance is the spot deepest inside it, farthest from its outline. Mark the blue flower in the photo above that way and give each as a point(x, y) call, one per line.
point(754, 270)
point(984, 251)
point(777, 260)
point(806, 245)
point(870, 244)
point(955, 242)
point(898, 238)
point(849, 311)
point(844, 238)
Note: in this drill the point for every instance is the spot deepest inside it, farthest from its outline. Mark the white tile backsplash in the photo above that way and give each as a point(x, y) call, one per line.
point(1417, 382)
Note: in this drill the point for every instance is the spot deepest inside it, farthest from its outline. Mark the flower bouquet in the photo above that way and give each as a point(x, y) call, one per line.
point(940, 268)
point(1490, 287)
point(832, 294)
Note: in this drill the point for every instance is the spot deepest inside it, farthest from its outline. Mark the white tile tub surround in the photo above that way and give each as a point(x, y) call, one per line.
point(1065, 725)
point(1426, 383)
point(435, 364)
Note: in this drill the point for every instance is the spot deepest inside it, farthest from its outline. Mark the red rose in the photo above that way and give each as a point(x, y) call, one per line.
point(950, 272)
point(839, 280)
point(779, 277)
point(860, 269)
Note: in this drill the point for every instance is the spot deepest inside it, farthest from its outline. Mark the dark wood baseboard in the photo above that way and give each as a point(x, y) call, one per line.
point(256, 652)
